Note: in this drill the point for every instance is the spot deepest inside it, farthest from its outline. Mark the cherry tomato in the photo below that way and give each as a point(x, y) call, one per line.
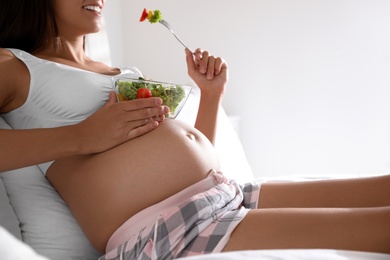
point(144, 15)
point(144, 93)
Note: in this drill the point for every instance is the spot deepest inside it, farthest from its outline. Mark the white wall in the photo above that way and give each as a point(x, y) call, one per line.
point(309, 79)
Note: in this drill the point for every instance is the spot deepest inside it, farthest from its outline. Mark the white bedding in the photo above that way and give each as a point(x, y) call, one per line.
point(13, 249)
point(293, 254)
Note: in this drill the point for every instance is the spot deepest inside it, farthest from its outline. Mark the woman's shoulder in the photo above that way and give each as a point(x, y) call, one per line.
point(5, 75)
point(5, 55)
point(7, 65)
point(12, 72)
point(9, 62)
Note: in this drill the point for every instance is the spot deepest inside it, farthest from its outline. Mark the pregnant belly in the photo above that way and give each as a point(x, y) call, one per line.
point(104, 190)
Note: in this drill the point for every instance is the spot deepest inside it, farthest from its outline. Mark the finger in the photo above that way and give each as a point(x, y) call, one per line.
point(160, 118)
point(219, 62)
point(204, 62)
point(141, 103)
point(146, 121)
point(141, 130)
point(146, 124)
point(190, 62)
point(210, 68)
point(111, 98)
point(144, 114)
point(198, 53)
point(198, 56)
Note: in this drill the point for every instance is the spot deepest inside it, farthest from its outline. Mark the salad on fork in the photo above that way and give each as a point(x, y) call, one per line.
point(156, 17)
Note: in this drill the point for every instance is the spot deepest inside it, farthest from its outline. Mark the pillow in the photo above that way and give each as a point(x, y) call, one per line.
point(8, 219)
point(47, 224)
point(234, 163)
point(12, 248)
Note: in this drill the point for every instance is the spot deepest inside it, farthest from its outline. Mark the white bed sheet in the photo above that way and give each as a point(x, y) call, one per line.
point(12, 248)
point(293, 254)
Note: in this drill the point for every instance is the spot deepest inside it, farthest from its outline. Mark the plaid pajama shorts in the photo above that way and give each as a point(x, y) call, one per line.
point(200, 224)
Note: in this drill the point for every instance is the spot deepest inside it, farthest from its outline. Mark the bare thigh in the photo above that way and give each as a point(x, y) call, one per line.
point(347, 193)
point(362, 229)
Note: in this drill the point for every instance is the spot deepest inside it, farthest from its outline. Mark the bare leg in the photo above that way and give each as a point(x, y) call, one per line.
point(362, 229)
point(350, 193)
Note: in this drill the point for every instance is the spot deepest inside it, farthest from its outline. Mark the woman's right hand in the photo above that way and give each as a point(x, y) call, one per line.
point(118, 122)
point(110, 126)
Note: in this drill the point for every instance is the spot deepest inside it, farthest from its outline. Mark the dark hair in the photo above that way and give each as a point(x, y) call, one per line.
point(26, 24)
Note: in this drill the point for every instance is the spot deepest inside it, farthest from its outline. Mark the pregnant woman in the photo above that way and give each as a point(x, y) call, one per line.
point(143, 186)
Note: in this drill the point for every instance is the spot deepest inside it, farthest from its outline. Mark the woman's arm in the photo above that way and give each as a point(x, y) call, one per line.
point(110, 126)
point(21, 148)
point(211, 75)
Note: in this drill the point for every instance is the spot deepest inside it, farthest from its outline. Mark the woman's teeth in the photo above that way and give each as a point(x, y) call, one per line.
point(93, 8)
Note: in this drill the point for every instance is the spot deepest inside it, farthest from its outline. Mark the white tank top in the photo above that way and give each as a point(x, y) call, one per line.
point(60, 95)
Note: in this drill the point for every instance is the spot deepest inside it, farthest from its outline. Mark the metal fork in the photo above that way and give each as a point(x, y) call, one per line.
point(166, 24)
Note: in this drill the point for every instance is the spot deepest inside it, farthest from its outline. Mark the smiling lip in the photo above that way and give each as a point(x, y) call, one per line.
point(93, 8)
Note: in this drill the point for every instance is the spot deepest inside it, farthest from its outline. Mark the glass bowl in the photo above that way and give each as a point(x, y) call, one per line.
point(173, 95)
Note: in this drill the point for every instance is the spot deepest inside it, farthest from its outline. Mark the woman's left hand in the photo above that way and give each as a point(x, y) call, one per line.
point(210, 73)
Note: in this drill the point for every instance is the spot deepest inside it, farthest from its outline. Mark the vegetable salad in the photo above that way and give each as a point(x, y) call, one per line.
point(152, 17)
point(171, 95)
